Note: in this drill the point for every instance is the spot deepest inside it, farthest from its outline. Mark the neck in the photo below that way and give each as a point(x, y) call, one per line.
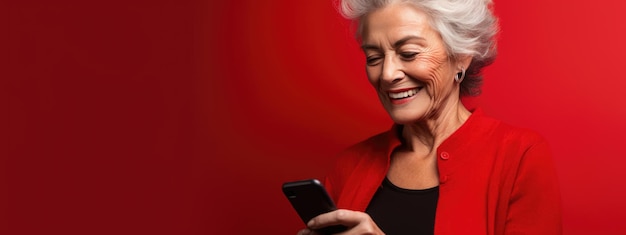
point(426, 135)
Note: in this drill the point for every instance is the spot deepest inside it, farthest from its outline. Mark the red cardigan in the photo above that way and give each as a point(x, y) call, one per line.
point(494, 179)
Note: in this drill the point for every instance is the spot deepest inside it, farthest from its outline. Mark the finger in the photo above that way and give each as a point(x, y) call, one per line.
point(344, 217)
point(305, 231)
point(365, 226)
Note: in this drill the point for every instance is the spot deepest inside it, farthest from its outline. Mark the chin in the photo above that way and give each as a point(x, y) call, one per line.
point(406, 117)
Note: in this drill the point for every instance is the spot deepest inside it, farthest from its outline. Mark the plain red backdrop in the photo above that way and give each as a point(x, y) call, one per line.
point(146, 117)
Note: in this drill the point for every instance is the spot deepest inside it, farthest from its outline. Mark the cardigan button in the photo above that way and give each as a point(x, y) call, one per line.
point(444, 155)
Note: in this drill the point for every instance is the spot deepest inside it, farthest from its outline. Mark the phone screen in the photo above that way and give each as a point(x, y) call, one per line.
point(310, 199)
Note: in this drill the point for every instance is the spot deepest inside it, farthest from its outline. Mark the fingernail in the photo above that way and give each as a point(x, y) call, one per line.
point(310, 223)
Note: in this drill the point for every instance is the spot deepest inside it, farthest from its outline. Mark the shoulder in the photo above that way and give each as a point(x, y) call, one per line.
point(519, 149)
point(485, 136)
point(372, 144)
point(362, 159)
point(504, 134)
point(368, 150)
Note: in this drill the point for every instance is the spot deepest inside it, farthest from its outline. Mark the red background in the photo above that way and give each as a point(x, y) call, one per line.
point(147, 117)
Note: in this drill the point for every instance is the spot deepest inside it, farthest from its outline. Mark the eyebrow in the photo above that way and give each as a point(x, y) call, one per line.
point(395, 44)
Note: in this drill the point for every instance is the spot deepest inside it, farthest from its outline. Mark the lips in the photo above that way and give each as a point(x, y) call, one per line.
point(403, 93)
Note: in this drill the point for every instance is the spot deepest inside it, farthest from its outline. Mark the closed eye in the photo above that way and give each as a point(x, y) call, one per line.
point(373, 60)
point(408, 55)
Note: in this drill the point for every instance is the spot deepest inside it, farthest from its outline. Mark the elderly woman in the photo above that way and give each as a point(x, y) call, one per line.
point(441, 169)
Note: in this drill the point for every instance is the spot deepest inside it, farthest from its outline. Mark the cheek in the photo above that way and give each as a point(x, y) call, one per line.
point(372, 75)
point(439, 85)
point(434, 73)
point(430, 76)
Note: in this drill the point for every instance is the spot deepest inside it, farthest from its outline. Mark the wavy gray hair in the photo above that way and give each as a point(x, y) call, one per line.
point(467, 27)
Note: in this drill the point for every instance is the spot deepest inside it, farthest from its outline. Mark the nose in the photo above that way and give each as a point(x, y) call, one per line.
point(392, 70)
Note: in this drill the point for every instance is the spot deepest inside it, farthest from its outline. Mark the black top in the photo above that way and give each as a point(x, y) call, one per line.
point(399, 211)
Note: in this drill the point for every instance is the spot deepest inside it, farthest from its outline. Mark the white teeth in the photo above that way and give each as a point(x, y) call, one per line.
point(404, 94)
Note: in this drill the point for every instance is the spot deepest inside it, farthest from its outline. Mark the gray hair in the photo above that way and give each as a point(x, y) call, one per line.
point(467, 27)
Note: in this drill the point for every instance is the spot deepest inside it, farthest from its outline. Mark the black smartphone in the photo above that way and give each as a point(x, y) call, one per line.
point(310, 199)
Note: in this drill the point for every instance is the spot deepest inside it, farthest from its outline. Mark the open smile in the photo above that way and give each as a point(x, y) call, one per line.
point(403, 93)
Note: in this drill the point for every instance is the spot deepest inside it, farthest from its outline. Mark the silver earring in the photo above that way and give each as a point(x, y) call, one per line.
point(458, 77)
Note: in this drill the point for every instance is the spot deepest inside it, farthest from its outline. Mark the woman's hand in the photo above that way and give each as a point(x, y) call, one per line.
point(357, 223)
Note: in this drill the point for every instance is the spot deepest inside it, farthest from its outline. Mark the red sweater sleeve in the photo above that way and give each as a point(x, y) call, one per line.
point(535, 202)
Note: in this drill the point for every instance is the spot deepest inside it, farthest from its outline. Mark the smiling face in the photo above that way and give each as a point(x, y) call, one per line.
point(408, 65)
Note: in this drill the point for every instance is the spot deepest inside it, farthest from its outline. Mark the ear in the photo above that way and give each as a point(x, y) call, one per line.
point(463, 62)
